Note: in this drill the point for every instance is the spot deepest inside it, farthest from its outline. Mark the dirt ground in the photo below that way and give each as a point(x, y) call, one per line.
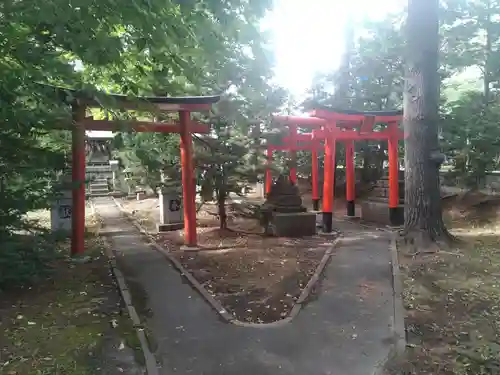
point(257, 278)
point(69, 323)
point(452, 298)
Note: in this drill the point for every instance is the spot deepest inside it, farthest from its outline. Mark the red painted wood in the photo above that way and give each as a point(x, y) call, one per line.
point(350, 171)
point(345, 135)
point(333, 116)
point(393, 173)
point(367, 124)
point(328, 188)
point(188, 180)
point(269, 176)
point(314, 172)
point(303, 122)
point(78, 181)
point(293, 153)
point(143, 126)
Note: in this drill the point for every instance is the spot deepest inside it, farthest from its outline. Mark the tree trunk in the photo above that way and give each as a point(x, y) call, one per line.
point(221, 203)
point(487, 55)
point(423, 212)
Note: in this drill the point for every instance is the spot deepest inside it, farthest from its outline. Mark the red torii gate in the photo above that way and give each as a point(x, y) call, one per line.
point(347, 126)
point(184, 126)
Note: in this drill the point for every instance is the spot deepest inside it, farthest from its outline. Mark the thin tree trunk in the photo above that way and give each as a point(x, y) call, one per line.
point(423, 213)
point(221, 203)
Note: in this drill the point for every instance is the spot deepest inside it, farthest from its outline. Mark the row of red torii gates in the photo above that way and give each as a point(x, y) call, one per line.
point(327, 125)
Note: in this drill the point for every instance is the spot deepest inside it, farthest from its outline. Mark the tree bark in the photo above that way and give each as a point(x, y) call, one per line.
point(221, 204)
point(423, 212)
point(487, 55)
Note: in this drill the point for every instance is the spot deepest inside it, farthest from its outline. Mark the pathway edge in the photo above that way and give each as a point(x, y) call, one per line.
point(216, 305)
point(397, 324)
point(149, 359)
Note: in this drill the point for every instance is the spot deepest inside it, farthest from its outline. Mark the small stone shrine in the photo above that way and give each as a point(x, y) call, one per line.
point(283, 214)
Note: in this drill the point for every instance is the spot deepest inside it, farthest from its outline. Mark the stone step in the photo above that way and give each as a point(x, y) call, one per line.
point(99, 184)
point(384, 182)
point(380, 192)
point(99, 190)
point(94, 169)
point(99, 194)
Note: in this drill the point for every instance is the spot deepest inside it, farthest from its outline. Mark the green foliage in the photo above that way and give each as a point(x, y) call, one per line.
point(470, 32)
point(468, 138)
point(157, 47)
point(370, 78)
point(24, 259)
point(231, 60)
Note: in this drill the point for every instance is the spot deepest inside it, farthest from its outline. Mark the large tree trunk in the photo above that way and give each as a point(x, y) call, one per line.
point(487, 55)
point(423, 213)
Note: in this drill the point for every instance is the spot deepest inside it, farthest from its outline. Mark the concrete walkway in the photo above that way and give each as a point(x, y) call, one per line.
point(345, 331)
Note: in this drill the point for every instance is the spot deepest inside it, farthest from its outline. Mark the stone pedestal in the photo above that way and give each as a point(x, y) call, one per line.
point(283, 215)
point(294, 224)
point(260, 189)
point(378, 211)
point(171, 210)
point(61, 212)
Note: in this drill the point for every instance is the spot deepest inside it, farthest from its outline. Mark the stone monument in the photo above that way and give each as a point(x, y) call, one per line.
point(171, 210)
point(283, 214)
point(62, 207)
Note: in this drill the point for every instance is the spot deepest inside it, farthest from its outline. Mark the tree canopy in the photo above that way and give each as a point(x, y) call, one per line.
point(173, 47)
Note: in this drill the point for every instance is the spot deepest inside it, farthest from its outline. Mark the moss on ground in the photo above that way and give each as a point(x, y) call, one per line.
point(452, 301)
point(63, 325)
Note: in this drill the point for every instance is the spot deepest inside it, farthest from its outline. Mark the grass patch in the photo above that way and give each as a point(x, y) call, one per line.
point(452, 301)
point(71, 322)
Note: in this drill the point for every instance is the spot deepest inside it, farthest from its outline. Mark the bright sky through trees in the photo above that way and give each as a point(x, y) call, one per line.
point(308, 35)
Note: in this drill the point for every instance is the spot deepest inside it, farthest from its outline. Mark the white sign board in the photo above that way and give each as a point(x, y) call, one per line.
point(61, 213)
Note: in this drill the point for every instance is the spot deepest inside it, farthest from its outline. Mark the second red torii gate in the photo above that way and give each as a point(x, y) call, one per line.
point(333, 125)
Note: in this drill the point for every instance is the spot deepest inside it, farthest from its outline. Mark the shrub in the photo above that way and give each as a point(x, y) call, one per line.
point(24, 259)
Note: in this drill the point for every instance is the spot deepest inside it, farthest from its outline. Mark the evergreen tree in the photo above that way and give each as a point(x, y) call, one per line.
point(423, 212)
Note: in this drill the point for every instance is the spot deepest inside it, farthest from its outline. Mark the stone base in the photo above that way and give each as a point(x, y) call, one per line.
point(327, 222)
point(315, 204)
point(295, 224)
point(169, 227)
point(189, 248)
point(397, 215)
point(118, 194)
point(380, 213)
